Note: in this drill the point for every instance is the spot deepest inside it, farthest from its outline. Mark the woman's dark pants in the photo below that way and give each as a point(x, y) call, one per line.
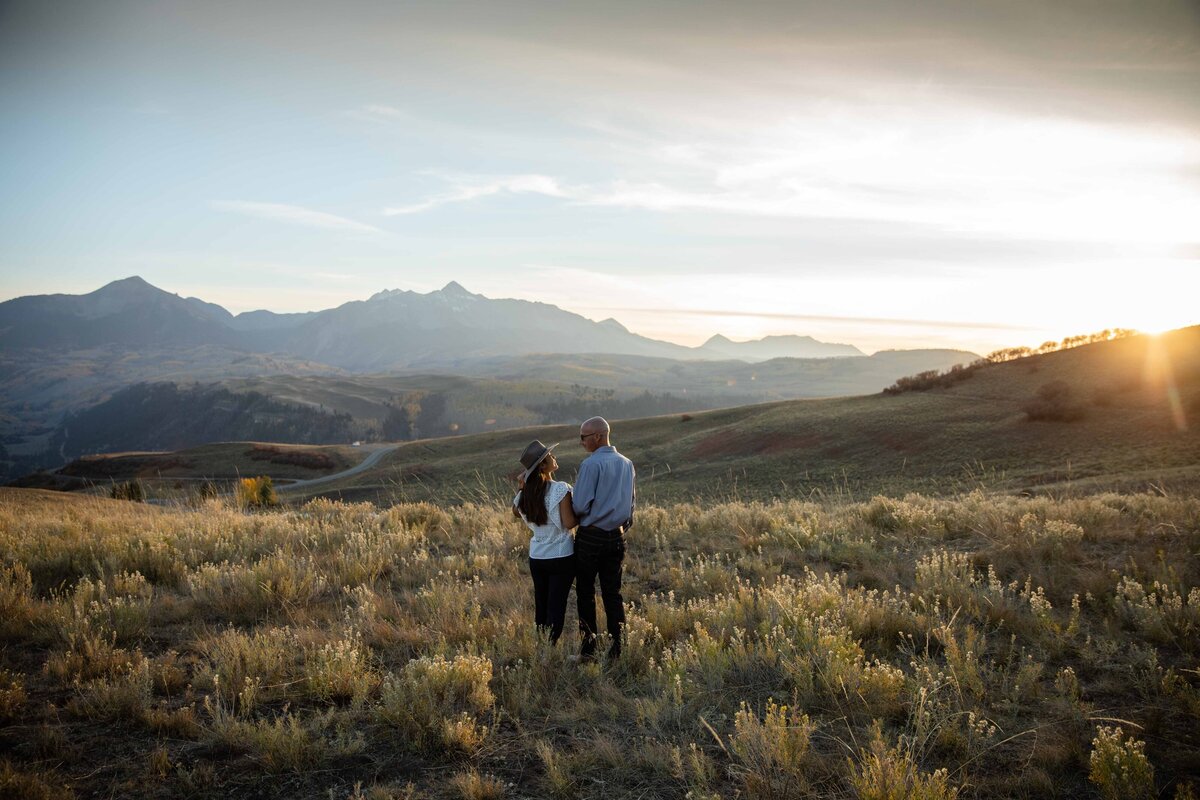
point(552, 579)
point(599, 554)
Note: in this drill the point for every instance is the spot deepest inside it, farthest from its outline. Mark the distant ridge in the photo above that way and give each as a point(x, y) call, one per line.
point(788, 346)
point(391, 330)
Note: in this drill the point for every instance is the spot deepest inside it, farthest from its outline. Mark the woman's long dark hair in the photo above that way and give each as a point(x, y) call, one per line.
point(533, 497)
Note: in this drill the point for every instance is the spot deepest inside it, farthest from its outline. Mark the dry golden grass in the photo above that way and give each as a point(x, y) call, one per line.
point(974, 646)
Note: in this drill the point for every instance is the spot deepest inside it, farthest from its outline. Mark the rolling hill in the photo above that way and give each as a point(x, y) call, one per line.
point(1132, 407)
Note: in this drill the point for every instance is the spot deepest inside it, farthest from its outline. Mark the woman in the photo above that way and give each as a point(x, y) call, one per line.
point(545, 506)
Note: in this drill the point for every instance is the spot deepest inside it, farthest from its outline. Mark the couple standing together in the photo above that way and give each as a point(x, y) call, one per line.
point(601, 505)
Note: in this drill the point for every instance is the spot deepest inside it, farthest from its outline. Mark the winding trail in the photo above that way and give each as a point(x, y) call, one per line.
point(371, 460)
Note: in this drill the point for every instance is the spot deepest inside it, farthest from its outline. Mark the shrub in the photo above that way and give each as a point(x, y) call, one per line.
point(891, 773)
point(17, 605)
point(339, 670)
point(309, 459)
point(432, 701)
point(256, 492)
point(287, 742)
point(128, 490)
point(126, 695)
point(12, 695)
point(933, 379)
point(237, 663)
point(1054, 402)
point(30, 785)
point(559, 781)
point(771, 752)
point(1049, 535)
point(471, 785)
point(1119, 767)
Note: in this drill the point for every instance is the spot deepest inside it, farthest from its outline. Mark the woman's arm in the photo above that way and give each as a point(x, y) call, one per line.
point(566, 512)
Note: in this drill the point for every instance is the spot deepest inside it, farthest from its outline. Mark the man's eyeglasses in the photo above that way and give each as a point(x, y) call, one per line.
point(583, 437)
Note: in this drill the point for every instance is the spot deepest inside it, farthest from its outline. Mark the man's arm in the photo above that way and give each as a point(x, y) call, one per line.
point(584, 493)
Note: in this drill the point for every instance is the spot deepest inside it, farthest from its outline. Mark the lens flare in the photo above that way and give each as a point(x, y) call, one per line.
point(1160, 375)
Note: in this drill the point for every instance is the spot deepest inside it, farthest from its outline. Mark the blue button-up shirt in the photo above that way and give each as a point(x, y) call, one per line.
point(604, 490)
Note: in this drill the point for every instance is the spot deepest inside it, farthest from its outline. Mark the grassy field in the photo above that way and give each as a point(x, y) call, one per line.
point(974, 646)
point(1134, 404)
point(922, 596)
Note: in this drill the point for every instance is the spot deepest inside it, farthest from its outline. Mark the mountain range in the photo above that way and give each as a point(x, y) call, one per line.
point(399, 364)
point(391, 330)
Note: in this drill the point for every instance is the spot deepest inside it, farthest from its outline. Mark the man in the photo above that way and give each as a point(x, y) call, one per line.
point(603, 502)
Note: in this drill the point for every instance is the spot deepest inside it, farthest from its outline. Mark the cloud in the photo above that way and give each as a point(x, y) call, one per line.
point(1048, 179)
point(380, 113)
point(386, 111)
point(296, 215)
point(900, 321)
point(472, 188)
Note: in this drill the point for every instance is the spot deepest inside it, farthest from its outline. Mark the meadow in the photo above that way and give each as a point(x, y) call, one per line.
point(974, 645)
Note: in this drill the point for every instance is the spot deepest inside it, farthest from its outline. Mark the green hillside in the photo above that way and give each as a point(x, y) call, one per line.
point(1132, 405)
point(936, 441)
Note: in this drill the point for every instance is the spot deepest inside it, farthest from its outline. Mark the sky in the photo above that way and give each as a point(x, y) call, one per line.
point(887, 174)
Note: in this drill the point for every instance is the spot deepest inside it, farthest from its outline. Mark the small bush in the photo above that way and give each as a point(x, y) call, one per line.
point(283, 744)
point(256, 492)
point(309, 459)
point(432, 701)
point(18, 608)
point(771, 751)
point(559, 780)
point(891, 773)
point(124, 696)
point(1054, 402)
point(340, 671)
point(133, 491)
point(471, 785)
point(1119, 767)
point(30, 785)
point(933, 379)
point(12, 695)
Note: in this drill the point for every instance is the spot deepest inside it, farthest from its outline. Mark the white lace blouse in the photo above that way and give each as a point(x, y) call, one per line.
point(550, 540)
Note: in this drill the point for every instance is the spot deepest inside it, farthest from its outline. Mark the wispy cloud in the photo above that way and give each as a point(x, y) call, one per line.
point(472, 188)
point(379, 113)
point(1045, 179)
point(296, 215)
point(899, 321)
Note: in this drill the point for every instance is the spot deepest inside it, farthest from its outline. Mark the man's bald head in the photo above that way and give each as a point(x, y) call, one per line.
point(593, 433)
point(595, 425)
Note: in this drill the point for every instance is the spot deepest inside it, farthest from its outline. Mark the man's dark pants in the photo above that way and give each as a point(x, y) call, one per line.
point(599, 553)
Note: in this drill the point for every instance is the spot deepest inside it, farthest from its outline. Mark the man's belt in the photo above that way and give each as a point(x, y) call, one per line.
point(604, 532)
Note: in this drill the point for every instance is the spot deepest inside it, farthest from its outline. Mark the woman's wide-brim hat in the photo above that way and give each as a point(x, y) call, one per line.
point(535, 453)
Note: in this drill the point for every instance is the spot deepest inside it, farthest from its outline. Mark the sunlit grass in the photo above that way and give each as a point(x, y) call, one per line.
point(978, 645)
